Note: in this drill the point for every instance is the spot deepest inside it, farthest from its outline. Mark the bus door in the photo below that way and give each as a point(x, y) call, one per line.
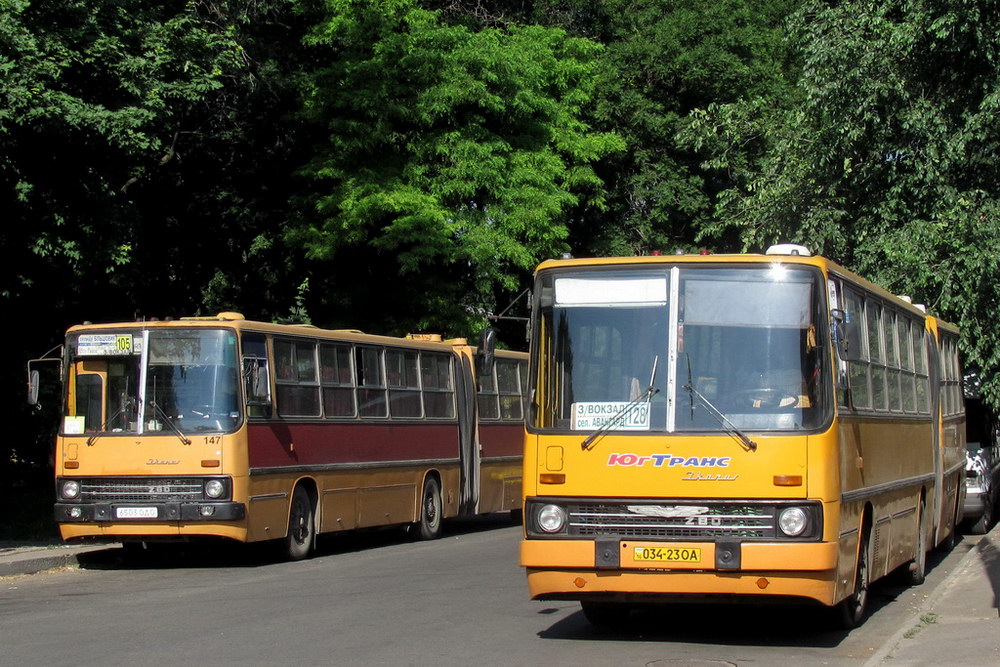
point(465, 391)
point(934, 373)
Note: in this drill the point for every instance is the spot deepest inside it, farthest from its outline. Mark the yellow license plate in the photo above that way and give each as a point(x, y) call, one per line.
point(667, 554)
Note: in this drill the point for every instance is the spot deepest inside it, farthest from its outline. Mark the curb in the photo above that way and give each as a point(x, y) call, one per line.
point(892, 644)
point(32, 562)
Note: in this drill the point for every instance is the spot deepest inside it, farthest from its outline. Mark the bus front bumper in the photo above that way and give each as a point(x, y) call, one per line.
point(146, 512)
point(581, 569)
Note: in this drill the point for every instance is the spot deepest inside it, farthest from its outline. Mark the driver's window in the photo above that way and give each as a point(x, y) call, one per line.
point(89, 400)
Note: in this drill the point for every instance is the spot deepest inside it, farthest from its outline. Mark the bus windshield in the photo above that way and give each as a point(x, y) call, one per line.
point(162, 380)
point(693, 347)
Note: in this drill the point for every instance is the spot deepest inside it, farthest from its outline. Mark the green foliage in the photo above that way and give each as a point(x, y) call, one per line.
point(306, 159)
point(125, 129)
point(887, 163)
point(448, 149)
point(662, 60)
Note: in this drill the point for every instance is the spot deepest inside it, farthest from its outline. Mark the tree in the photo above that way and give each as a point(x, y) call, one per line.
point(117, 124)
point(888, 164)
point(451, 156)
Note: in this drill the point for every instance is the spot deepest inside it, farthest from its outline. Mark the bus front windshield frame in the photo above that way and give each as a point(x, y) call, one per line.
point(687, 348)
point(158, 381)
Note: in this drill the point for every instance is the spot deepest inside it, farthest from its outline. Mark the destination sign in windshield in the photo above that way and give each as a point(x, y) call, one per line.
point(611, 416)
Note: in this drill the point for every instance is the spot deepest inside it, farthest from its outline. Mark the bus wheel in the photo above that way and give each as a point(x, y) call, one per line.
point(301, 527)
point(429, 525)
point(918, 566)
point(610, 615)
point(851, 610)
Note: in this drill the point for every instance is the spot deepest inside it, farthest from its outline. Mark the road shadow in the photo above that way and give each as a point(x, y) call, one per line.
point(734, 622)
point(988, 553)
point(215, 553)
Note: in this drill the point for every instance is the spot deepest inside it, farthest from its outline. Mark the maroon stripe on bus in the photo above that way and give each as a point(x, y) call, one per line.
point(276, 444)
point(501, 439)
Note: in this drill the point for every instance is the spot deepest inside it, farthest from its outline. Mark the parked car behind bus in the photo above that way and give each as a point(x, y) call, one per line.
point(982, 467)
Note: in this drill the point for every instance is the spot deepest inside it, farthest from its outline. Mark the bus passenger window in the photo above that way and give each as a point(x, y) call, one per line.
point(404, 385)
point(371, 384)
point(438, 393)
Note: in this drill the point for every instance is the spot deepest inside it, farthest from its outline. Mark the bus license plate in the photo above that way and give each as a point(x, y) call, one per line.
point(667, 554)
point(135, 512)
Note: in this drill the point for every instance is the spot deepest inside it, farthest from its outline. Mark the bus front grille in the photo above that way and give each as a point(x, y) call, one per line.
point(687, 521)
point(141, 490)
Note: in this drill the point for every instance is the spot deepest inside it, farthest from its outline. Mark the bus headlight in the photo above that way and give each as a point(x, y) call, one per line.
point(551, 518)
point(214, 488)
point(70, 489)
point(793, 521)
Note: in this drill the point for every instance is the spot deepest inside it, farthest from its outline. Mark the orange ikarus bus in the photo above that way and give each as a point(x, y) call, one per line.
point(223, 427)
point(733, 427)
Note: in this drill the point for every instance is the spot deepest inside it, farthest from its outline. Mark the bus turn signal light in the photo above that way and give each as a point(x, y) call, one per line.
point(210, 463)
point(788, 480)
point(552, 478)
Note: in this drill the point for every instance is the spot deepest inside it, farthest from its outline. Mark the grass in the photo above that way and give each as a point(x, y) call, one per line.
point(929, 618)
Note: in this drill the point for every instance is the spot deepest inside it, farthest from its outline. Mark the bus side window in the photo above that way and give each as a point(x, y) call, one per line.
point(89, 399)
point(509, 390)
point(256, 377)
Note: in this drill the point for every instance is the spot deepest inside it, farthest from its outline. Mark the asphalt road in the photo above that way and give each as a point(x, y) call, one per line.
point(379, 599)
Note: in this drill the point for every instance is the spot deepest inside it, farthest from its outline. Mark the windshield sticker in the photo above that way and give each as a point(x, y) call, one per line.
point(668, 461)
point(611, 416)
point(108, 345)
point(74, 425)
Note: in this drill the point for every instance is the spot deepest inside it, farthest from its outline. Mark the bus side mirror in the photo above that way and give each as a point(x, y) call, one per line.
point(33, 381)
point(32, 387)
point(486, 355)
point(257, 383)
point(846, 335)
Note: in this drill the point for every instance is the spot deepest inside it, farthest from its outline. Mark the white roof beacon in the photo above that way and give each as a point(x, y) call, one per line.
point(788, 249)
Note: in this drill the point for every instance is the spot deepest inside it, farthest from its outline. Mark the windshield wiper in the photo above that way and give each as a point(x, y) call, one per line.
point(169, 422)
point(123, 405)
point(730, 427)
point(591, 439)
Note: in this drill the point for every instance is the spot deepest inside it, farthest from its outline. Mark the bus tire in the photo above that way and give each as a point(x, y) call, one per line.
point(917, 568)
point(429, 525)
point(606, 615)
point(850, 612)
point(301, 525)
point(951, 539)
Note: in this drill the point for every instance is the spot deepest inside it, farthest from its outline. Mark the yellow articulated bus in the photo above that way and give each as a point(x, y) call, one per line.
point(729, 427)
point(223, 427)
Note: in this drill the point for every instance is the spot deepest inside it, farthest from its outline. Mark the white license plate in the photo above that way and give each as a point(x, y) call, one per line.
point(135, 512)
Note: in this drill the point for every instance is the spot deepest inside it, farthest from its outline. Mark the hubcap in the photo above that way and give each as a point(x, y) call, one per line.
point(430, 508)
